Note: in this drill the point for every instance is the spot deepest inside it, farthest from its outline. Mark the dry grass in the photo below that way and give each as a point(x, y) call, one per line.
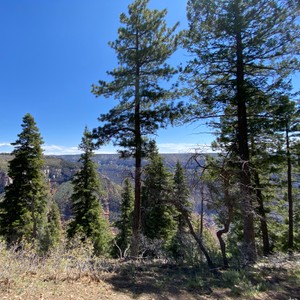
point(75, 273)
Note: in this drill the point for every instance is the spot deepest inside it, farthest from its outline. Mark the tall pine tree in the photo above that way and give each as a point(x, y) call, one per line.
point(23, 211)
point(237, 43)
point(287, 122)
point(88, 216)
point(143, 47)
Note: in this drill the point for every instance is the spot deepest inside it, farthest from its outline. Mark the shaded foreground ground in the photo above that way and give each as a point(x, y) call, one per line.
point(24, 276)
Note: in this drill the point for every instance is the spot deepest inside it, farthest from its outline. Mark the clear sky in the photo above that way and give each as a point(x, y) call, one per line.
point(51, 52)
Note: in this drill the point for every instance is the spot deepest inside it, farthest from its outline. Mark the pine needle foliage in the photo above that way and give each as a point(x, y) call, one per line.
point(181, 197)
point(124, 224)
point(88, 216)
point(236, 44)
point(158, 214)
point(143, 47)
point(23, 211)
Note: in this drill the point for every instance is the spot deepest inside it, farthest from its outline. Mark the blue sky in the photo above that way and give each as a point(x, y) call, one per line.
point(51, 52)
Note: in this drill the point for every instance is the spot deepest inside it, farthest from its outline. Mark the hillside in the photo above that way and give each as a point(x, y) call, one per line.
point(61, 168)
point(60, 171)
point(116, 169)
point(112, 169)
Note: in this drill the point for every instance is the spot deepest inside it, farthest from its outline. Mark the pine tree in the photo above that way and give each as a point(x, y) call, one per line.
point(287, 117)
point(53, 230)
point(124, 225)
point(89, 219)
point(143, 47)
point(158, 214)
point(181, 196)
point(237, 43)
point(181, 193)
point(23, 211)
point(261, 140)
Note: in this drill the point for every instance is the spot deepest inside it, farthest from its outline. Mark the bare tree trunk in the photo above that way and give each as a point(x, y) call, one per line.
point(221, 241)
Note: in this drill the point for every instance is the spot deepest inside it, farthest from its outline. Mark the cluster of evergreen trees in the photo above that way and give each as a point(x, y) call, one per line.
point(28, 213)
point(238, 80)
point(161, 221)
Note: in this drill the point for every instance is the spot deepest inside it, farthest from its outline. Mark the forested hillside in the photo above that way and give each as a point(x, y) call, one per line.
point(117, 169)
point(112, 169)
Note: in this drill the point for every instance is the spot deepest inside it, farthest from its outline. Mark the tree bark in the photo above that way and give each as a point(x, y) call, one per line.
point(263, 217)
point(138, 160)
point(227, 221)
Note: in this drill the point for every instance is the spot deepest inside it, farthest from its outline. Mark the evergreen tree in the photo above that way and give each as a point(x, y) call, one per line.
point(53, 228)
point(89, 219)
point(181, 196)
point(181, 193)
point(158, 214)
point(262, 152)
point(124, 225)
point(235, 43)
point(23, 211)
point(143, 47)
point(287, 117)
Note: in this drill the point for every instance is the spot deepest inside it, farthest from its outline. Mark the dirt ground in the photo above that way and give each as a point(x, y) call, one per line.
point(159, 281)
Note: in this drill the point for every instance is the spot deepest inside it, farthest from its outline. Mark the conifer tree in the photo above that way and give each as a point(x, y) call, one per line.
point(181, 196)
point(53, 230)
point(158, 214)
point(143, 47)
point(287, 122)
point(237, 43)
point(23, 211)
point(181, 192)
point(124, 225)
point(88, 219)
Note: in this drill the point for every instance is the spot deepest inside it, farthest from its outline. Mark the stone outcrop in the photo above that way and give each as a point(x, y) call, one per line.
point(5, 180)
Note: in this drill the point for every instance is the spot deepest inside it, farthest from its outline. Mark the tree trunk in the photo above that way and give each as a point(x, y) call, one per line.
point(290, 191)
point(137, 207)
point(249, 248)
point(138, 160)
point(227, 221)
point(202, 210)
point(197, 238)
point(263, 217)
